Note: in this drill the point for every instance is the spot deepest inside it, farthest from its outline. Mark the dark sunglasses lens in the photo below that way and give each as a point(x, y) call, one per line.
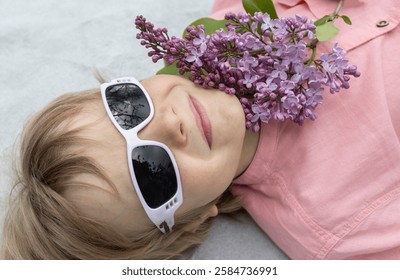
point(128, 104)
point(155, 174)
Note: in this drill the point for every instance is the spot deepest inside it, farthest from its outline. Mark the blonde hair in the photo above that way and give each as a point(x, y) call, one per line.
point(43, 224)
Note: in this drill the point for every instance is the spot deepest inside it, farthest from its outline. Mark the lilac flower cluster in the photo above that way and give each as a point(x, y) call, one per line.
point(269, 64)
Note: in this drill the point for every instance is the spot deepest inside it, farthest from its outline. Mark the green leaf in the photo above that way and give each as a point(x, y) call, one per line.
point(326, 31)
point(264, 6)
point(210, 25)
point(171, 70)
point(346, 19)
point(322, 20)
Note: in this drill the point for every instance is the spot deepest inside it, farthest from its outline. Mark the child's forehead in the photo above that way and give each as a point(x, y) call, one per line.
point(92, 114)
point(101, 140)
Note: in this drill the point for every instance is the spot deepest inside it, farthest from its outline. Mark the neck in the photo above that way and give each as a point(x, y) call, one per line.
point(249, 149)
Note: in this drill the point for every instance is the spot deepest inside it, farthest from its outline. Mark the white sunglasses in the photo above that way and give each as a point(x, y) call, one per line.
point(153, 168)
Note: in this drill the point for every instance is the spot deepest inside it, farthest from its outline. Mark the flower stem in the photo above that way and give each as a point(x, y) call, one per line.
point(313, 47)
point(337, 9)
point(313, 54)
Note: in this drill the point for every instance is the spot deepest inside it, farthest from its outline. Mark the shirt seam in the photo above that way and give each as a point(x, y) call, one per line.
point(356, 220)
point(317, 229)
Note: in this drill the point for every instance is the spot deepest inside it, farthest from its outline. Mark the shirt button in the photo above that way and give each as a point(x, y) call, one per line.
point(382, 23)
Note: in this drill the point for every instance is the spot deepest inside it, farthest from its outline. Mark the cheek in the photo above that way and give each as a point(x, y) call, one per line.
point(227, 117)
point(205, 181)
point(228, 105)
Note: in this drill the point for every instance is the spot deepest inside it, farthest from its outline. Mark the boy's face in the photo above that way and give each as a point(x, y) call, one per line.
point(205, 171)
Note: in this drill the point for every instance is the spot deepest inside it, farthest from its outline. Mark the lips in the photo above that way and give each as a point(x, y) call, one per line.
point(202, 120)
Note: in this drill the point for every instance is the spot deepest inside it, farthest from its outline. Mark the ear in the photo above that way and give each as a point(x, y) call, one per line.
point(213, 211)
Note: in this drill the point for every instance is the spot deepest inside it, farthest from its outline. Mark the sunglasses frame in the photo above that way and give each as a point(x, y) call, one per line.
point(162, 216)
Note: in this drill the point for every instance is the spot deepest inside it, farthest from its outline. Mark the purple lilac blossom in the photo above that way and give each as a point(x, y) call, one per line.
point(266, 63)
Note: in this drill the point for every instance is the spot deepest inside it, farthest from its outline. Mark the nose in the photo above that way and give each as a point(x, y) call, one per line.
point(166, 127)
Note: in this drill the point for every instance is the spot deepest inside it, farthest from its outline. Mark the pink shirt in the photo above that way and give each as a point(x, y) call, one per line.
point(331, 189)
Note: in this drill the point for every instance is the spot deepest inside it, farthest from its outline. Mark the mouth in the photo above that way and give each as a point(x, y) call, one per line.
point(202, 120)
